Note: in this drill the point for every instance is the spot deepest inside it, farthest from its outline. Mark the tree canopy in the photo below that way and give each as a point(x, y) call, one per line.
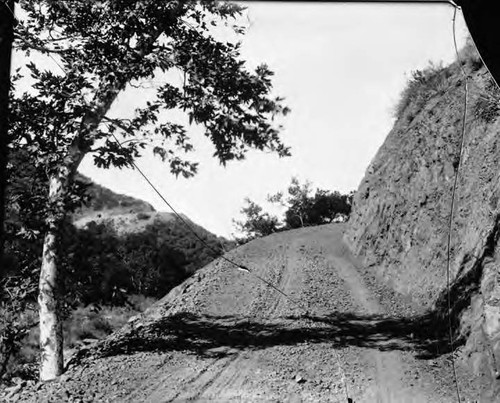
point(102, 48)
point(256, 222)
point(301, 206)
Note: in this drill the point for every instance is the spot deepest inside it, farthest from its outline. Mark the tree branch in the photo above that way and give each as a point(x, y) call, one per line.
point(39, 48)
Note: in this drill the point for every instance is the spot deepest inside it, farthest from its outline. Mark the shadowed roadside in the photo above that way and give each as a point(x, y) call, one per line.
point(208, 335)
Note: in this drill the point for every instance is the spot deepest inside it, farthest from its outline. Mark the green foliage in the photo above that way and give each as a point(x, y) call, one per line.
point(102, 48)
point(96, 262)
point(92, 322)
point(100, 198)
point(436, 80)
point(16, 320)
point(82, 324)
point(327, 206)
point(98, 267)
point(298, 203)
point(101, 267)
point(470, 56)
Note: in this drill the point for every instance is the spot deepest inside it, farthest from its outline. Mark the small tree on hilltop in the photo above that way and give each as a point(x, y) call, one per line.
point(298, 203)
point(256, 223)
point(302, 208)
point(327, 206)
point(104, 47)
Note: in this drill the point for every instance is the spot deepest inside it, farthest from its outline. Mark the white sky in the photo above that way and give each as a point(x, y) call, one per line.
point(341, 69)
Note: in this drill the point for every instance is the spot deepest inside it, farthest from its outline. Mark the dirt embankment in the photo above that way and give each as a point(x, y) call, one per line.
point(402, 207)
point(223, 335)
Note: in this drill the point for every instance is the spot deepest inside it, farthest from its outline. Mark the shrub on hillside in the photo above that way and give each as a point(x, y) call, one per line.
point(97, 322)
point(421, 87)
point(487, 105)
point(436, 80)
point(143, 216)
point(256, 222)
point(470, 56)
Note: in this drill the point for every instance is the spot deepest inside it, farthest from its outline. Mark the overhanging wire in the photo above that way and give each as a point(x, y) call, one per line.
point(232, 262)
point(452, 204)
point(206, 244)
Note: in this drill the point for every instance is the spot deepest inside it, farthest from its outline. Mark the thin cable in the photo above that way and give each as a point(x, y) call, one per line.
point(4, 2)
point(237, 265)
point(230, 261)
point(452, 206)
point(193, 231)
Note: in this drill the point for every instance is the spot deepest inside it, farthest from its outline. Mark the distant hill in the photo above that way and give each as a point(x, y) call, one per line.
point(118, 241)
point(102, 199)
point(125, 213)
point(113, 242)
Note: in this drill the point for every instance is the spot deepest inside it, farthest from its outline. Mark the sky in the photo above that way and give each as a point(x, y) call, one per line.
point(340, 67)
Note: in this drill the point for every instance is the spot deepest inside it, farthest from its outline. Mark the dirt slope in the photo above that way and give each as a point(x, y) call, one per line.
point(223, 335)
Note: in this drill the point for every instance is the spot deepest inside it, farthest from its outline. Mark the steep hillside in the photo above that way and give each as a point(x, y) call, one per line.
point(402, 208)
point(104, 199)
point(124, 214)
point(125, 236)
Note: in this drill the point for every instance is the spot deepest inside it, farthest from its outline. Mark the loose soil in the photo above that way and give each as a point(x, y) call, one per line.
point(224, 335)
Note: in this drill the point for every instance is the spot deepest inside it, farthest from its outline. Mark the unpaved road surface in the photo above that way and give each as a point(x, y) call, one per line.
point(224, 335)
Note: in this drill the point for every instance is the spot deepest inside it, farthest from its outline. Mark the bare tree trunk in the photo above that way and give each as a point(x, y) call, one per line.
point(51, 337)
point(51, 340)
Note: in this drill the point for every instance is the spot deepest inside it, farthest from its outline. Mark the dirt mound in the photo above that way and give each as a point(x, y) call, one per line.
point(224, 335)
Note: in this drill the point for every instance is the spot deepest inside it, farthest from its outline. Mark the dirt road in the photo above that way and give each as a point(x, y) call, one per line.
point(224, 335)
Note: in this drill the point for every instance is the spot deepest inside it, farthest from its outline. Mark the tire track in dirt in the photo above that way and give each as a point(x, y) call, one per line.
point(210, 381)
point(238, 370)
point(390, 367)
point(204, 380)
point(229, 337)
point(288, 277)
point(232, 377)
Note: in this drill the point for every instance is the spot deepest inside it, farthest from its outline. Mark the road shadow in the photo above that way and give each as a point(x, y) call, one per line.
point(425, 335)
